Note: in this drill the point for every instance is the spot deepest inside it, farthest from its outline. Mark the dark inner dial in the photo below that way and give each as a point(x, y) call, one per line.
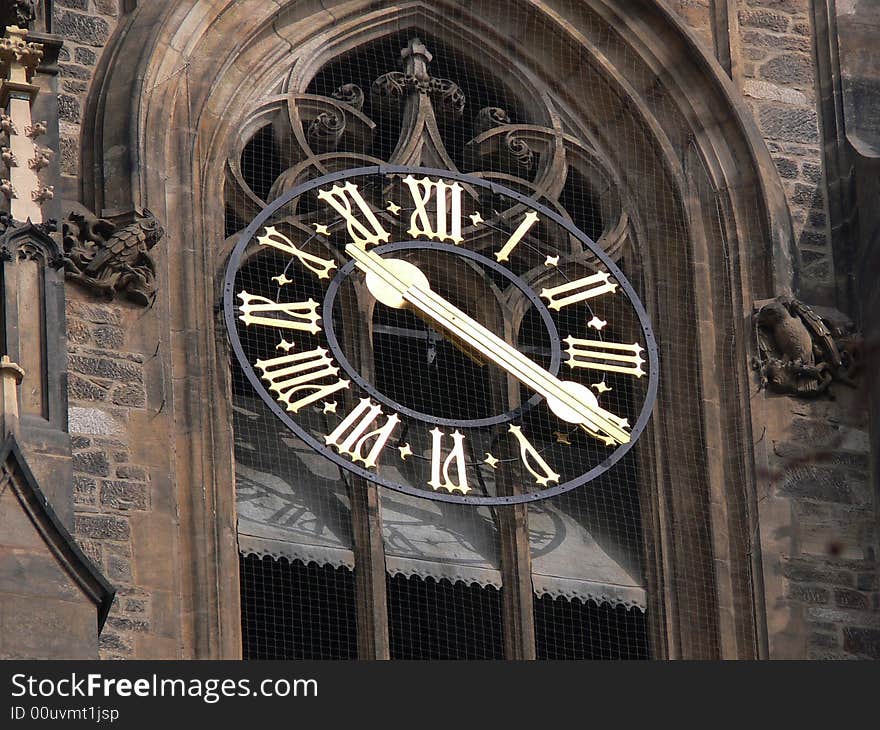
point(420, 368)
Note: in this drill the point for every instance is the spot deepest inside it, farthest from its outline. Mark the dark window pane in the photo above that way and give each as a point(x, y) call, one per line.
point(573, 630)
point(431, 619)
point(296, 611)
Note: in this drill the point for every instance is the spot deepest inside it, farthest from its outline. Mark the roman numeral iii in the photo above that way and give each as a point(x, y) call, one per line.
point(288, 315)
point(363, 226)
point(304, 373)
point(352, 437)
point(611, 357)
point(578, 291)
point(442, 222)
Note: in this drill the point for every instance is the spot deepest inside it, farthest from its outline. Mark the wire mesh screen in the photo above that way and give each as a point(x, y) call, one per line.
point(294, 611)
point(470, 337)
point(430, 619)
point(567, 629)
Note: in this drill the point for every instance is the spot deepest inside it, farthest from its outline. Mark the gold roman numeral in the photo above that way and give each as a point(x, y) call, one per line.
point(449, 473)
point(318, 266)
point(532, 460)
point(301, 373)
point(444, 222)
point(610, 357)
point(351, 437)
point(291, 315)
point(579, 290)
point(528, 221)
point(364, 231)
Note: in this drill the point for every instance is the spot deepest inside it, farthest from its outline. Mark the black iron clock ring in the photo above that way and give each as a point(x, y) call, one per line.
point(558, 431)
point(342, 359)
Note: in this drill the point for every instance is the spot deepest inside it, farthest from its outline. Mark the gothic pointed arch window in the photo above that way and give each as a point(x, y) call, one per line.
point(412, 97)
point(603, 111)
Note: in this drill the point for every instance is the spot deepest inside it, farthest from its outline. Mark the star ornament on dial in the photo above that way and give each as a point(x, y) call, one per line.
point(440, 335)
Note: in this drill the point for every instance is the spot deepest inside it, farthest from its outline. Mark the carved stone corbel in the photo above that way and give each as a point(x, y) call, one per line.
point(802, 350)
point(112, 257)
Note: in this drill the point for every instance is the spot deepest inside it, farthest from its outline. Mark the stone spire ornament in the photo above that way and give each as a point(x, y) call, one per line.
point(25, 194)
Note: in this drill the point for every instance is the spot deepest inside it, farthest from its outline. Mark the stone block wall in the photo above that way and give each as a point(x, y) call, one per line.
point(773, 50)
point(86, 26)
point(111, 490)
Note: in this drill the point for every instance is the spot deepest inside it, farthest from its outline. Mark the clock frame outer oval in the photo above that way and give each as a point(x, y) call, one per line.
point(254, 226)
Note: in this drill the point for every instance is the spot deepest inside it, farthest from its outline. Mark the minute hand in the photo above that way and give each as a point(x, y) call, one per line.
point(398, 283)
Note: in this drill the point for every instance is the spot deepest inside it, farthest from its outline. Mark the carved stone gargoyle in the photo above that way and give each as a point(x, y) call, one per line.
point(801, 349)
point(111, 256)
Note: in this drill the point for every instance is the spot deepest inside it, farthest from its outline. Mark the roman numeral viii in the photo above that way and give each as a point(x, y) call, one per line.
point(303, 378)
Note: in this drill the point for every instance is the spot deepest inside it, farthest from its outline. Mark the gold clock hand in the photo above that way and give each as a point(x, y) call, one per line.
point(397, 283)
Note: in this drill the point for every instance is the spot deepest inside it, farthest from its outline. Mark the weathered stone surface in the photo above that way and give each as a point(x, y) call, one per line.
point(91, 462)
point(94, 313)
point(70, 71)
point(863, 642)
point(80, 388)
point(134, 473)
point(775, 42)
point(851, 599)
point(85, 56)
point(74, 4)
point(107, 7)
point(68, 108)
point(93, 421)
point(131, 395)
point(764, 19)
point(105, 367)
point(805, 570)
point(108, 337)
point(102, 527)
point(789, 123)
point(74, 87)
point(806, 195)
point(69, 156)
point(111, 641)
point(788, 68)
point(119, 569)
point(787, 168)
point(808, 594)
point(820, 483)
point(127, 624)
point(135, 605)
point(124, 495)
point(773, 92)
point(85, 491)
point(82, 28)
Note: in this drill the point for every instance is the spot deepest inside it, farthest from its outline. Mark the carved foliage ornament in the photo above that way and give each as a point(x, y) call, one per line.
point(113, 258)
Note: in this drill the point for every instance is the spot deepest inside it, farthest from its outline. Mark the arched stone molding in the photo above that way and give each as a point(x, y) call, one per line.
point(164, 121)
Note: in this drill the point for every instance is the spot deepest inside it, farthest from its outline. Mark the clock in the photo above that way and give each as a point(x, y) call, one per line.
point(441, 335)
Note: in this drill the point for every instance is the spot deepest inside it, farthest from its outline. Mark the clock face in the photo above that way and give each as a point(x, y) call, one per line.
point(440, 335)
